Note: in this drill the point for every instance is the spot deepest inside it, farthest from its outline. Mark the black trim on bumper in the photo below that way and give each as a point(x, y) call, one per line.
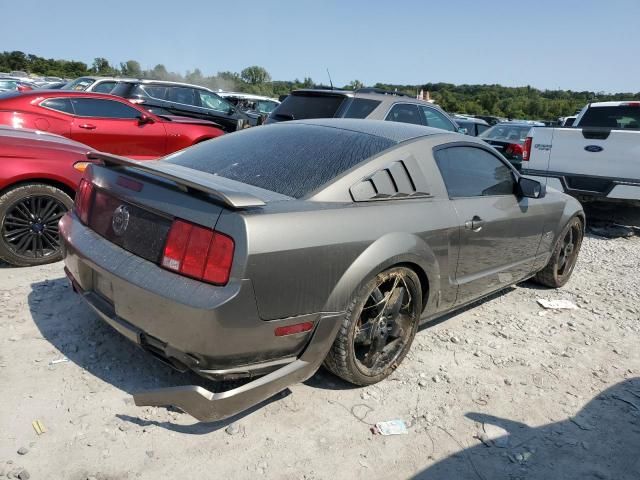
point(577, 184)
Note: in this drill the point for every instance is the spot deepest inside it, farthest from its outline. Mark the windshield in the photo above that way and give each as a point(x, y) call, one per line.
point(505, 131)
point(79, 84)
point(300, 107)
point(290, 159)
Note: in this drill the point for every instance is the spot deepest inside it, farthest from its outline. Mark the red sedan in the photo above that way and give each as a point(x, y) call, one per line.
point(39, 174)
point(105, 122)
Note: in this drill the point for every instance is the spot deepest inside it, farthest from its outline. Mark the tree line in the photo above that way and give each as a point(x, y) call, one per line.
point(511, 102)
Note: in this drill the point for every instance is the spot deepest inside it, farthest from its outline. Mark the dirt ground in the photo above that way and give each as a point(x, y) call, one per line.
point(502, 390)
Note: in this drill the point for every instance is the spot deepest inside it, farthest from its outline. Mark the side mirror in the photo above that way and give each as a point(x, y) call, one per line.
point(145, 119)
point(531, 188)
point(462, 130)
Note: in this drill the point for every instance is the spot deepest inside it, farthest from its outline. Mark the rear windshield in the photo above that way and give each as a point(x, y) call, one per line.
point(300, 107)
point(361, 108)
point(503, 131)
point(290, 159)
point(623, 117)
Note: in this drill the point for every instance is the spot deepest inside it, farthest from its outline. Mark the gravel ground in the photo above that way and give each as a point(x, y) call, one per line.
point(502, 390)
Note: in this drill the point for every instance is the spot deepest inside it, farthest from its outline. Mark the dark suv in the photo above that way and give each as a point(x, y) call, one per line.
point(170, 98)
point(369, 103)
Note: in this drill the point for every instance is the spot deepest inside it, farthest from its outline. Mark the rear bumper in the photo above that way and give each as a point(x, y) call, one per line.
point(214, 331)
point(590, 186)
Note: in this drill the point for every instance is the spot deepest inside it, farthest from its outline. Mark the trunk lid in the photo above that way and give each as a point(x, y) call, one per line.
point(134, 204)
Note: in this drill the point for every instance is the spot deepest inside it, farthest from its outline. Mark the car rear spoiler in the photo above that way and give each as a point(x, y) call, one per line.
point(184, 177)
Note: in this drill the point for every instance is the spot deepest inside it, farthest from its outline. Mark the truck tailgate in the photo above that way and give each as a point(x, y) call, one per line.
point(595, 152)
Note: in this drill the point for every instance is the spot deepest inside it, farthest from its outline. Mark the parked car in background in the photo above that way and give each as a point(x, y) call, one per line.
point(52, 86)
point(471, 125)
point(170, 98)
point(491, 119)
point(10, 84)
point(369, 103)
point(196, 275)
point(567, 121)
point(20, 74)
point(508, 138)
point(105, 122)
point(93, 84)
point(251, 103)
point(596, 159)
point(39, 175)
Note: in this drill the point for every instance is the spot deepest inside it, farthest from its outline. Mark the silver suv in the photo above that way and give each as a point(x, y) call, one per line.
point(369, 103)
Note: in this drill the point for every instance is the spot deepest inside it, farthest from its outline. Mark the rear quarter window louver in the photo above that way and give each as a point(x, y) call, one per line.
point(400, 179)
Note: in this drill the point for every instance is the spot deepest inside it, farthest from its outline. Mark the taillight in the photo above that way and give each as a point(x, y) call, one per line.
point(526, 151)
point(84, 196)
point(631, 104)
point(293, 329)
point(198, 252)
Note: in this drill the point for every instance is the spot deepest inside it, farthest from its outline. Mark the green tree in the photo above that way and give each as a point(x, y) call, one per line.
point(101, 66)
point(255, 75)
point(131, 68)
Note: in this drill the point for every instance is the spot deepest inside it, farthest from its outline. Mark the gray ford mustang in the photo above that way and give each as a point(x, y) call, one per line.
point(266, 252)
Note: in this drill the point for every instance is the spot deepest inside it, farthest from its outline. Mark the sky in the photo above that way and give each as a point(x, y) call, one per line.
point(569, 44)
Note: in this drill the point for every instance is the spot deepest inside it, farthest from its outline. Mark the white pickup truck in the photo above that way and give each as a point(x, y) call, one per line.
point(596, 159)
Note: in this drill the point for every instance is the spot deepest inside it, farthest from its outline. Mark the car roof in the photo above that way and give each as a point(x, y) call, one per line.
point(614, 104)
point(393, 131)
point(521, 123)
point(248, 96)
point(68, 93)
point(367, 93)
point(469, 119)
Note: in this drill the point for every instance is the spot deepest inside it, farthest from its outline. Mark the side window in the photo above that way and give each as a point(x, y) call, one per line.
point(482, 128)
point(58, 104)
point(474, 172)
point(405, 113)
point(435, 119)
point(104, 87)
point(183, 95)
point(152, 91)
point(361, 108)
point(213, 101)
point(97, 107)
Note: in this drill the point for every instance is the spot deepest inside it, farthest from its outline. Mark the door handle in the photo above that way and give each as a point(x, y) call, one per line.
point(475, 224)
point(87, 126)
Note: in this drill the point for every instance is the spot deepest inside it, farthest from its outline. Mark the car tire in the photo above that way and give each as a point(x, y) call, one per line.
point(564, 257)
point(346, 358)
point(21, 229)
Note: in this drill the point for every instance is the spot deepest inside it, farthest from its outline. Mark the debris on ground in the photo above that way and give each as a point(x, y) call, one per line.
point(392, 427)
point(58, 360)
point(38, 426)
point(557, 304)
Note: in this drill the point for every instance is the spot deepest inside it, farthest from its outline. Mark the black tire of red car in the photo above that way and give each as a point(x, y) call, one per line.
point(385, 310)
point(564, 257)
point(29, 215)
